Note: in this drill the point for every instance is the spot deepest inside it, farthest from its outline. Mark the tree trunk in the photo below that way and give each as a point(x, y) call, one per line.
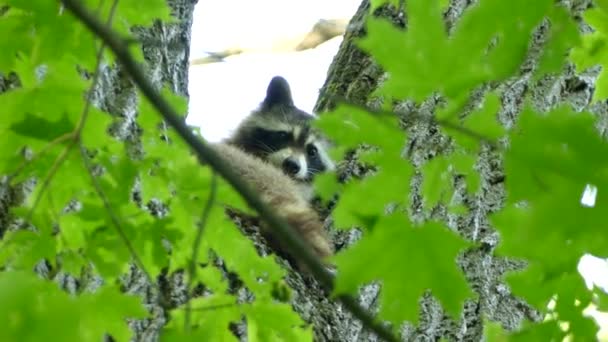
point(166, 48)
point(353, 75)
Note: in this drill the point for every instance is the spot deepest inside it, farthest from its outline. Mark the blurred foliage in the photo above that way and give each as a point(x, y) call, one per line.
point(550, 160)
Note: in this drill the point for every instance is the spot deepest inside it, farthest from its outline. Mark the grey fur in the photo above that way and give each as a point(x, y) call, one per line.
point(281, 134)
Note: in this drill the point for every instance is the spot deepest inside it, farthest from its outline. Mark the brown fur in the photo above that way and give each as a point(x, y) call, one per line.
point(281, 193)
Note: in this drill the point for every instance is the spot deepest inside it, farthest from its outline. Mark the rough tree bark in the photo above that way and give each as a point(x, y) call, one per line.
point(166, 51)
point(353, 75)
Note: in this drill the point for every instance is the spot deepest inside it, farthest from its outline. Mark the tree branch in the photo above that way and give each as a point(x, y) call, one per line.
point(60, 139)
point(73, 139)
point(205, 153)
point(113, 217)
point(85, 159)
point(74, 136)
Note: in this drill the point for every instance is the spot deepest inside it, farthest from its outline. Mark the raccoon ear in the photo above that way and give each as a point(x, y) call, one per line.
point(278, 93)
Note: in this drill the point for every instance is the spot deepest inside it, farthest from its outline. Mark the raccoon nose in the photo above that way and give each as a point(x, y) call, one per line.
point(291, 166)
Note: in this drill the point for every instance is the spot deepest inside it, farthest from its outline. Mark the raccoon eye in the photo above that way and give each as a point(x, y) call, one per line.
point(281, 135)
point(311, 150)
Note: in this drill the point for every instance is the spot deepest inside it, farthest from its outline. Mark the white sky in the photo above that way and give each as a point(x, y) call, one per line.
point(221, 94)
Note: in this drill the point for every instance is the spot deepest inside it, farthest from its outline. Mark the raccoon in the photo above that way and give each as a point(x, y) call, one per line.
point(280, 133)
point(277, 153)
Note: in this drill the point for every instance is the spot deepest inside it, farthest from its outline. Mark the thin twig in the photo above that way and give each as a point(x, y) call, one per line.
point(49, 177)
point(197, 244)
point(95, 79)
point(282, 230)
point(74, 136)
point(85, 157)
point(113, 216)
point(40, 153)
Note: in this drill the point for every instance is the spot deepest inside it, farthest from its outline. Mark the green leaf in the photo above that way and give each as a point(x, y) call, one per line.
point(28, 301)
point(593, 49)
point(108, 252)
point(148, 239)
point(575, 231)
point(258, 273)
point(71, 262)
point(18, 25)
point(39, 7)
point(571, 299)
point(106, 312)
point(431, 68)
point(326, 185)
point(395, 184)
point(436, 181)
point(563, 35)
point(130, 11)
point(275, 322)
point(36, 127)
point(545, 331)
point(94, 134)
point(351, 126)
point(211, 317)
point(438, 176)
point(431, 251)
point(377, 3)
point(464, 164)
point(563, 146)
point(494, 332)
point(23, 249)
point(480, 125)
point(602, 299)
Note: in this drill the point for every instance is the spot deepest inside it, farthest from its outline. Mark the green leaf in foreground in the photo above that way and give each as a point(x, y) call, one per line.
point(408, 261)
point(275, 322)
point(421, 59)
point(351, 127)
point(481, 124)
point(550, 161)
point(593, 49)
point(33, 309)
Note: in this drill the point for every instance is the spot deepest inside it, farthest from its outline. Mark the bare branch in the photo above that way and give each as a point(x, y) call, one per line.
point(205, 153)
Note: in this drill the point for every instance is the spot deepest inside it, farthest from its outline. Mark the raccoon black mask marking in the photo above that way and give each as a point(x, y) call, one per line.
point(280, 133)
point(277, 153)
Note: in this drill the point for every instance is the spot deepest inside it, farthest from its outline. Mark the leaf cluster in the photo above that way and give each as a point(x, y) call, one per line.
point(549, 159)
point(95, 209)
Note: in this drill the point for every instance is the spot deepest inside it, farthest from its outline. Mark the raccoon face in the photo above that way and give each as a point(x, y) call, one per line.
point(280, 133)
